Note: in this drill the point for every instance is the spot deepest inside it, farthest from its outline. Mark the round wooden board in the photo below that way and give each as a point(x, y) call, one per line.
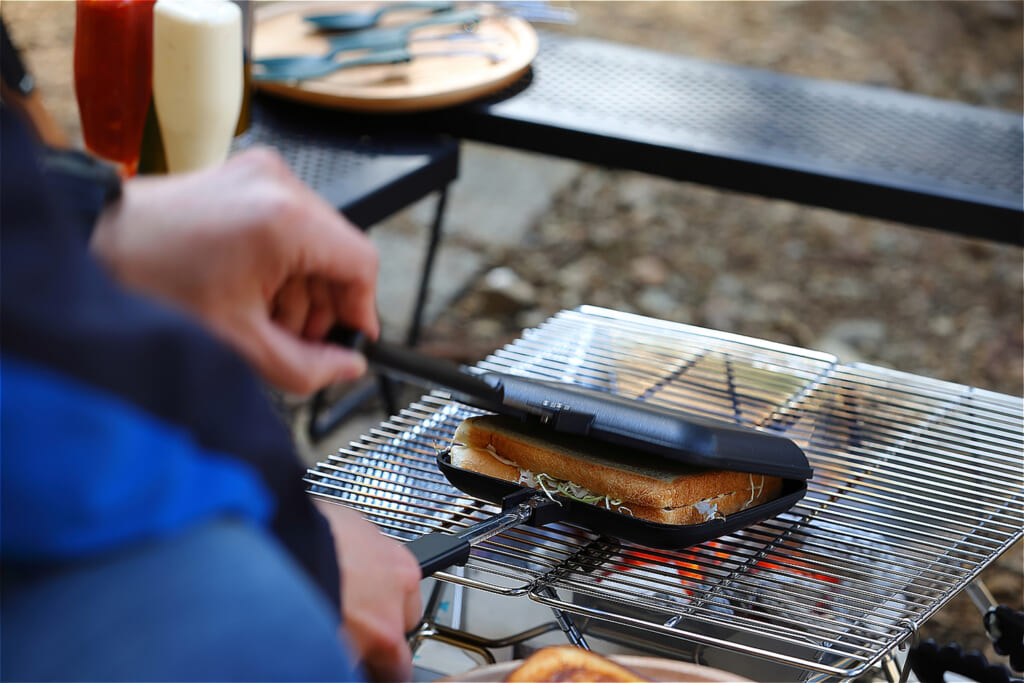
point(428, 82)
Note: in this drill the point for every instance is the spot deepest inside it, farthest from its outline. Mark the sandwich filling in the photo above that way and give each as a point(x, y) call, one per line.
point(706, 509)
point(545, 482)
point(622, 480)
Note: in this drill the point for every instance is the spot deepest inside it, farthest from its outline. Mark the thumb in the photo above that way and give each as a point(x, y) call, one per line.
point(301, 366)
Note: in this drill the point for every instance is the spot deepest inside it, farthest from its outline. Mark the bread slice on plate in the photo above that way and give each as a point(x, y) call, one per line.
point(566, 663)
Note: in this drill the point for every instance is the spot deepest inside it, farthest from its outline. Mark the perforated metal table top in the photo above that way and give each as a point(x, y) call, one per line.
point(857, 148)
point(367, 176)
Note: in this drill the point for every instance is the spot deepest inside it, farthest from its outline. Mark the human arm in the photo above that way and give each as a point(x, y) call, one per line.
point(111, 473)
point(63, 313)
point(262, 260)
point(380, 594)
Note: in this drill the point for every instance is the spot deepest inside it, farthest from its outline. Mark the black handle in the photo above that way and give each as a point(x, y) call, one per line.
point(931, 662)
point(435, 552)
point(410, 365)
point(1005, 628)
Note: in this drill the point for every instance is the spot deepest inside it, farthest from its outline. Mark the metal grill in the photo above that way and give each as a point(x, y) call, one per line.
point(919, 485)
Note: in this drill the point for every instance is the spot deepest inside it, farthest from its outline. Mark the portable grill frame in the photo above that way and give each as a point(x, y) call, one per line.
point(918, 487)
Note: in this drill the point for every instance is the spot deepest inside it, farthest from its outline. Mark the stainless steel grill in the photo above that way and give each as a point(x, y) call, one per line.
point(919, 485)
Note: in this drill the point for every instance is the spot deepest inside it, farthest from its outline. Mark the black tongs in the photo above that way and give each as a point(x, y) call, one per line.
point(570, 409)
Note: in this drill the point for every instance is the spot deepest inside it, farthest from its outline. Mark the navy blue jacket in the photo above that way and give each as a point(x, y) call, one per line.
point(122, 419)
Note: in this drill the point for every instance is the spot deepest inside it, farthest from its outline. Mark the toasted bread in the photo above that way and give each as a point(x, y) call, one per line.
point(634, 482)
point(565, 663)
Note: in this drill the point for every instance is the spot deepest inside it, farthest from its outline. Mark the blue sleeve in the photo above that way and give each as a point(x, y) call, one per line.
point(62, 312)
point(92, 472)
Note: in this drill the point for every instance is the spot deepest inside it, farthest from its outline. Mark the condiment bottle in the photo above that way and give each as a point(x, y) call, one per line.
point(197, 79)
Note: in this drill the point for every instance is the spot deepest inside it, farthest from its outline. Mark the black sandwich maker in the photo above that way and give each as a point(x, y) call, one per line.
point(659, 432)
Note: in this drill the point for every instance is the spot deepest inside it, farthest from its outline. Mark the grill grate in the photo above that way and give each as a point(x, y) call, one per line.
point(918, 486)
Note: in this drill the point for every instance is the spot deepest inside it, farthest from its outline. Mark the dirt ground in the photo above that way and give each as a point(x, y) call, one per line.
point(912, 299)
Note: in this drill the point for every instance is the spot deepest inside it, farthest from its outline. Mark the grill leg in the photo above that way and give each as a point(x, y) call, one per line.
point(429, 629)
point(566, 623)
point(894, 671)
point(981, 597)
point(891, 668)
point(450, 637)
point(428, 267)
point(458, 595)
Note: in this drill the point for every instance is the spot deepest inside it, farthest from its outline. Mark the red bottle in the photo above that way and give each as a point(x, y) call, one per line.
point(114, 76)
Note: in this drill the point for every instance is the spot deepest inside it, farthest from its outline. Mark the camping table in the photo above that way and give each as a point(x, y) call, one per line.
point(857, 148)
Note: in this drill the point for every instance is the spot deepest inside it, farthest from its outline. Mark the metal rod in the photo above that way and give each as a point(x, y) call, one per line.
point(428, 267)
point(979, 594)
point(565, 622)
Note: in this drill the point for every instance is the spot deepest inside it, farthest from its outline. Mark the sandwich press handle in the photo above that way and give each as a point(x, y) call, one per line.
point(483, 391)
point(437, 551)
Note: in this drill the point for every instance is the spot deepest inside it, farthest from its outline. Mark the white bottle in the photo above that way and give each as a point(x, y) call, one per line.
point(197, 79)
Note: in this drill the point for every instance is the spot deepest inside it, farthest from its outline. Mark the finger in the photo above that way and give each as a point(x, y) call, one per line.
point(318, 239)
point(326, 244)
point(408, 567)
point(344, 253)
point(355, 306)
point(321, 311)
point(291, 305)
point(301, 366)
point(413, 609)
point(394, 664)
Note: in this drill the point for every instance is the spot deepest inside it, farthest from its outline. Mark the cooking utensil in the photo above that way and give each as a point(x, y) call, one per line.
point(539, 12)
point(307, 68)
point(296, 67)
point(354, 21)
point(283, 66)
point(398, 36)
point(536, 11)
point(667, 434)
point(419, 85)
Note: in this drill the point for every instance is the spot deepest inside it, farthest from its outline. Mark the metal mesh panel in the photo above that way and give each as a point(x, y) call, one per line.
point(918, 485)
point(677, 101)
point(311, 151)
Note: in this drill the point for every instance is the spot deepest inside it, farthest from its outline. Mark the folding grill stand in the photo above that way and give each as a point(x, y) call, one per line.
point(891, 666)
point(895, 668)
point(431, 629)
point(890, 450)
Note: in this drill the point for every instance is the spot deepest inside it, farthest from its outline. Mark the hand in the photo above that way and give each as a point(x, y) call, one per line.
point(254, 253)
point(380, 593)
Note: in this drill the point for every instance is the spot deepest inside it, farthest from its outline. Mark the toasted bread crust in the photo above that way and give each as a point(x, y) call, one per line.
point(653, 487)
point(719, 506)
point(479, 460)
point(717, 501)
point(565, 663)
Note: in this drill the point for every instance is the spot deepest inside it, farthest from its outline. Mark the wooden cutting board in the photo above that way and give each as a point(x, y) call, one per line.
point(427, 82)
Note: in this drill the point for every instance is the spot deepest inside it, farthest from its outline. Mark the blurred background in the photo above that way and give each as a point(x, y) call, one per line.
point(866, 290)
